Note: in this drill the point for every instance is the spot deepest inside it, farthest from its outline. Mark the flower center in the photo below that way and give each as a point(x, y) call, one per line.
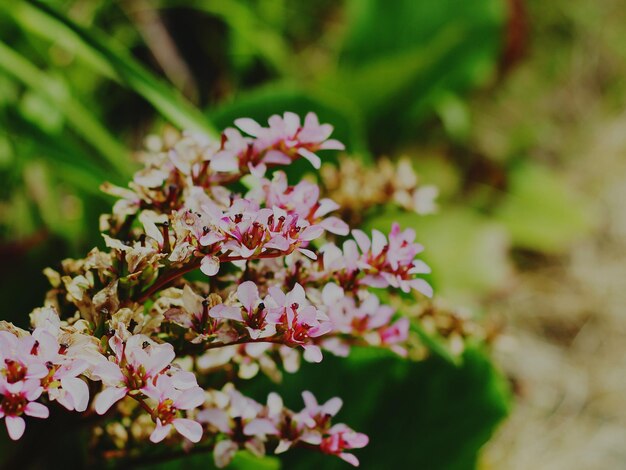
point(135, 378)
point(165, 411)
point(13, 404)
point(14, 371)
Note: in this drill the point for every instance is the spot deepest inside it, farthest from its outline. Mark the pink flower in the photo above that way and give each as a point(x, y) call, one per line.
point(62, 382)
point(313, 426)
point(392, 263)
point(360, 316)
point(254, 313)
point(234, 146)
point(286, 139)
point(300, 320)
point(395, 334)
point(303, 199)
point(17, 399)
point(342, 438)
point(18, 358)
point(135, 363)
point(315, 415)
point(244, 422)
point(246, 230)
point(64, 385)
point(169, 401)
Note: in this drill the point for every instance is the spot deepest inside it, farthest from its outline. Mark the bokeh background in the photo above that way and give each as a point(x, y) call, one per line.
point(513, 108)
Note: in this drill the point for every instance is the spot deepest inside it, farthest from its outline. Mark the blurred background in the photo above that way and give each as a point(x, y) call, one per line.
point(514, 109)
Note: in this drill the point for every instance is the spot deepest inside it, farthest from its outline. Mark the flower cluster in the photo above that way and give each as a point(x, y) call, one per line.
point(359, 188)
point(244, 423)
point(126, 338)
point(36, 365)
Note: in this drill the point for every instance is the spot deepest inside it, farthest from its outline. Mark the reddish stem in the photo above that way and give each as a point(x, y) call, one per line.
point(143, 404)
point(243, 340)
point(175, 274)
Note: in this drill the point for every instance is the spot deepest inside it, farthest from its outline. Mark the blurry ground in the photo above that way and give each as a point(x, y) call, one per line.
point(567, 314)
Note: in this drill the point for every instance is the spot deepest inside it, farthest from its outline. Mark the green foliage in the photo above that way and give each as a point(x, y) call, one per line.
point(414, 55)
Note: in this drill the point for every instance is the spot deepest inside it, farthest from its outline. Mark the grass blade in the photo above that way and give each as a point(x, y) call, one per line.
point(109, 59)
point(78, 117)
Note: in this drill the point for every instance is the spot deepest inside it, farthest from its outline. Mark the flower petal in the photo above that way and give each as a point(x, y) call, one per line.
point(160, 432)
point(36, 410)
point(351, 459)
point(15, 426)
point(312, 353)
point(335, 225)
point(311, 157)
point(260, 427)
point(190, 398)
point(108, 397)
point(210, 265)
point(249, 126)
point(226, 312)
point(189, 428)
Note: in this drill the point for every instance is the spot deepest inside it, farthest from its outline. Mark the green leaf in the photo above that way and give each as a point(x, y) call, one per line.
point(398, 63)
point(541, 210)
point(110, 59)
point(57, 93)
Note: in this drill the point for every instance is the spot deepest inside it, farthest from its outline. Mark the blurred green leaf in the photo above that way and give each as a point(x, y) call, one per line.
point(110, 59)
point(454, 115)
point(6, 152)
point(541, 211)
point(57, 93)
point(71, 162)
point(47, 116)
point(61, 212)
point(20, 215)
point(397, 63)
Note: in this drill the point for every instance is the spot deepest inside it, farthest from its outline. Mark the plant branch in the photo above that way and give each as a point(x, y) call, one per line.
point(171, 276)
